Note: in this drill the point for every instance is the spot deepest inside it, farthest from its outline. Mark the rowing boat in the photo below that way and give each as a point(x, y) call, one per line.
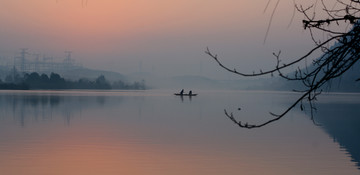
point(190, 95)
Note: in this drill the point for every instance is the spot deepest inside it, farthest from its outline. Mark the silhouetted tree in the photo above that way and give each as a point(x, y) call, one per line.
point(118, 85)
point(44, 78)
point(9, 79)
point(33, 77)
point(342, 27)
point(33, 80)
point(56, 81)
point(13, 77)
point(102, 83)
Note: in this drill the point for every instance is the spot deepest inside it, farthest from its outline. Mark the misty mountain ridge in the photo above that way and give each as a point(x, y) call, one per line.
point(345, 83)
point(76, 74)
point(202, 82)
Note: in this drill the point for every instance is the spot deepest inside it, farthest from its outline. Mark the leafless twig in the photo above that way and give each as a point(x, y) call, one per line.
point(335, 61)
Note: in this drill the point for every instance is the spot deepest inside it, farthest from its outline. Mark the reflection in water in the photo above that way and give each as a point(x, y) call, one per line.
point(342, 122)
point(187, 97)
point(26, 107)
point(147, 132)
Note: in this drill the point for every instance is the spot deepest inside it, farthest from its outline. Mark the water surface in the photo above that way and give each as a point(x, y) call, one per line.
point(154, 132)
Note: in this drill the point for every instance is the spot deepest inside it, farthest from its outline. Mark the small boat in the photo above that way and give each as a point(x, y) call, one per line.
point(178, 94)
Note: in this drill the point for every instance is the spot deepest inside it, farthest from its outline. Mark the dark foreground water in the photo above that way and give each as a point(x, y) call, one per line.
point(154, 132)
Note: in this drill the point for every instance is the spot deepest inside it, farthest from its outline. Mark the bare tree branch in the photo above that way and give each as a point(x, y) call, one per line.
point(335, 61)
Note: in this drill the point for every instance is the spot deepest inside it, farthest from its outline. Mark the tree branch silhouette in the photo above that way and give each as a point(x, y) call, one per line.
point(334, 61)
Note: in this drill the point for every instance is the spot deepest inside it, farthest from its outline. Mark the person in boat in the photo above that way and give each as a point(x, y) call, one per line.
point(182, 92)
point(190, 93)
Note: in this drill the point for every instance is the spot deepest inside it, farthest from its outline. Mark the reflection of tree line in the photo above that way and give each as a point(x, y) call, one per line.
point(26, 108)
point(342, 123)
point(55, 81)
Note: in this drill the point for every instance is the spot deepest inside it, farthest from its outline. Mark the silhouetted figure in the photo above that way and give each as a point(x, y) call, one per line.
point(190, 93)
point(182, 92)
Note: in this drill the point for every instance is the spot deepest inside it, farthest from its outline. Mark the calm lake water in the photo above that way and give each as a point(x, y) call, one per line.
point(155, 132)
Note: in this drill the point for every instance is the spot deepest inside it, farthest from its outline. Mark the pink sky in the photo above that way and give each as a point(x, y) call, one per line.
point(119, 34)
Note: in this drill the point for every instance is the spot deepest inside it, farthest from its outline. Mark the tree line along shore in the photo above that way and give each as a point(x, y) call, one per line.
point(33, 81)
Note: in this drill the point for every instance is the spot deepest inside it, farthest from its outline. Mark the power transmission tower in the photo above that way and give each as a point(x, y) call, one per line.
point(68, 61)
point(22, 58)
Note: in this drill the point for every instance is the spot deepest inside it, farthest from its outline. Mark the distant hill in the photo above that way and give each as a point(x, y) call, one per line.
point(345, 83)
point(76, 74)
point(188, 81)
point(174, 82)
point(200, 82)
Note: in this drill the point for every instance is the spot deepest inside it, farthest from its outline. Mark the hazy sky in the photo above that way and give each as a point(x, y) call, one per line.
point(163, 37)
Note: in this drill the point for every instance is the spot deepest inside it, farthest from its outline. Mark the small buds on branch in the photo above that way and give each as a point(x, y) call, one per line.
point(334, 62)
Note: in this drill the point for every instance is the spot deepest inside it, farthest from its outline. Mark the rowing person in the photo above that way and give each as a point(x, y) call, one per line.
point(182, 92)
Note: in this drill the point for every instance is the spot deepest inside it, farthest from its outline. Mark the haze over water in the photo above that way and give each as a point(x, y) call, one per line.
point(159, 37)
point(85, 132)
point(154, 132)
